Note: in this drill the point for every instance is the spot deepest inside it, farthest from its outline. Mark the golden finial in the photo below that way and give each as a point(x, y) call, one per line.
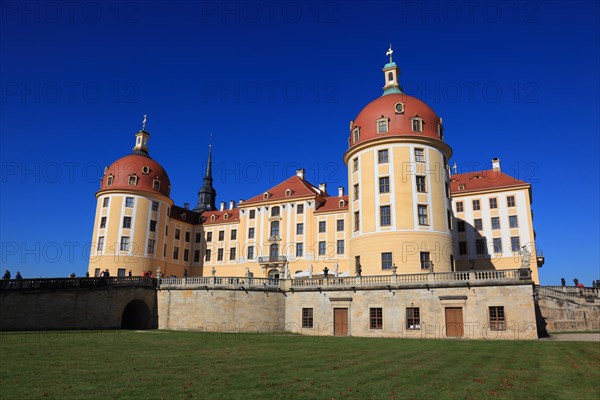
point(390, 52)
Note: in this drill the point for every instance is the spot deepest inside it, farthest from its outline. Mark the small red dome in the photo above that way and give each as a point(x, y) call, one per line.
point(399, 110)
point(136, 172)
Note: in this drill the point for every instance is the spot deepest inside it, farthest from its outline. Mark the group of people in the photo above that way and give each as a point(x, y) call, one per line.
point(6, 275)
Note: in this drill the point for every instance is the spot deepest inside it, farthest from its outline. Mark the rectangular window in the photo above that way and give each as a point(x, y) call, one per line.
point(386, 260)
point(480, 247)
point(151, 244)
point(209, 236)
point(356, 191)
point(121, 272)
point(419, 155)
point(515, 243)
point(422, 213)
point(357, 266)
point(187, 236)
point(413, 318)
point(300, 229)
point(322, 248)
point(103, 223)
point(340, 225)
point(232, 254)
point(233, 234)
point(382, 156)
point(421, 188)
point(198, 237)
point(124, 243)
point(355, 164)
point(165, 251)
point(476, 205)
point(155, 206)
point(425, 259)
point(497, 320)
point(356, 221)
point(382, 126)
point(186, 255)
point(376, 320)
point(340, 246)
point(307, 317)
point(510, 201)
point(207, 255)
point(252, 214)
point(495, 222)
point(177, 233)
point(462, 248)
point(478, 224)
point(129, 202)
point(513, 222)
point(250, 233)
point(497, 245)
point(250, 253)
point(384, 184)
point(300, 209)
point(299, 249)
point(196, 256)
point(385, 218)
point(152, 225)
point(460, 225)
point(449, 218)
point(167, 230)
point(105, 202)
point(493, 202)
point(417, 125)
point(221, 236)
point(220, 255)
point(459, 206)
point(176, 253)
point(100, 243)
point(127, 222)
point(322, 226)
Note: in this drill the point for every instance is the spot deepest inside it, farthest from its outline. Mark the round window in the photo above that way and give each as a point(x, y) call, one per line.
point(145, 170)
point(399, 107)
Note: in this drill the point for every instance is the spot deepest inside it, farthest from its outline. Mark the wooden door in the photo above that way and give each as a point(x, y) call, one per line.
point(454, 322)
point(340, 321)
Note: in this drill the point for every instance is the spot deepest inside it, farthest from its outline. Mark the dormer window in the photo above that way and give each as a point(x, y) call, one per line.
point(226, 216)
point(382, 125)
point(183, 216)
point(266, 195)
point(213, 217)
point(356, 134)
point(461, 187)
point(109, 180)
point(133, 180)
point(342, 203)
point(156, 184)
point(145, 170)
point(417, 124)
point(288, 193)
point(399, 108)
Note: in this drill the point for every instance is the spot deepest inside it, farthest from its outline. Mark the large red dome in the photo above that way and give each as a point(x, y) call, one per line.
point(399, 110)
point(136, 172)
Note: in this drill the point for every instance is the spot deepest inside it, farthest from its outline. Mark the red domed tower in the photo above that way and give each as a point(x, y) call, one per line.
point(132, 214)
point(398, 181)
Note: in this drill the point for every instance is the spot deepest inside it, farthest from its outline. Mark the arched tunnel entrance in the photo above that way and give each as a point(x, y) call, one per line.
point(136, 315)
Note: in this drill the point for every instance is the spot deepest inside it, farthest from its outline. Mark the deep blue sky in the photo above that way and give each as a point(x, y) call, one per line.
point(277, 84)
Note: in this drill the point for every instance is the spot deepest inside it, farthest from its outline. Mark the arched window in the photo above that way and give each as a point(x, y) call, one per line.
point(274, 252)
point(275, 228)
point(109, 180)
point(275, 211)
point(156, 184)
point(133, 180)
point(391, 76)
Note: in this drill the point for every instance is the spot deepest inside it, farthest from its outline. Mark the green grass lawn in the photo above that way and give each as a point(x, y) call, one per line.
point(180, 365)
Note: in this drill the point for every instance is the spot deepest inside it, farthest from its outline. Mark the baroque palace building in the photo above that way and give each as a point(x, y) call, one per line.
point(405, 211)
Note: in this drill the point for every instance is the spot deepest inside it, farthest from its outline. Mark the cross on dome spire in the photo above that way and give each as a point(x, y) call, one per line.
point(391, 73)
point(144, 121)
point(390, 52)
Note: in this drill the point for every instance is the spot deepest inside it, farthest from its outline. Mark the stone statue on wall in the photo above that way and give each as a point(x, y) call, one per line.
point(525, 256)
point(158, 273)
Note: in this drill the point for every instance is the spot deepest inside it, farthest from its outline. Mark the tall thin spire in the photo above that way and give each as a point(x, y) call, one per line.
point(392, 74)
point(207, 194)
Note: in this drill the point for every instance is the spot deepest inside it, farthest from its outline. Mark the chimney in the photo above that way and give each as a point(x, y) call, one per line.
point(341, 191)
point(496, 164)
point(300, 173)
point(186, 206)
point(222, 206)
point(323, 188)
point(232, 204)
point(241, 201)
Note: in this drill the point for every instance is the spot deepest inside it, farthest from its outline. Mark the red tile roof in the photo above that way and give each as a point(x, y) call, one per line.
point(298, 187)
point(482, 180)
point(333, 204)
point(221, 217)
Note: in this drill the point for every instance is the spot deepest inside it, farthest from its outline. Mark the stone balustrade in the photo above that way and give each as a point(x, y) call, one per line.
point(64, 283)
point(219, 281)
